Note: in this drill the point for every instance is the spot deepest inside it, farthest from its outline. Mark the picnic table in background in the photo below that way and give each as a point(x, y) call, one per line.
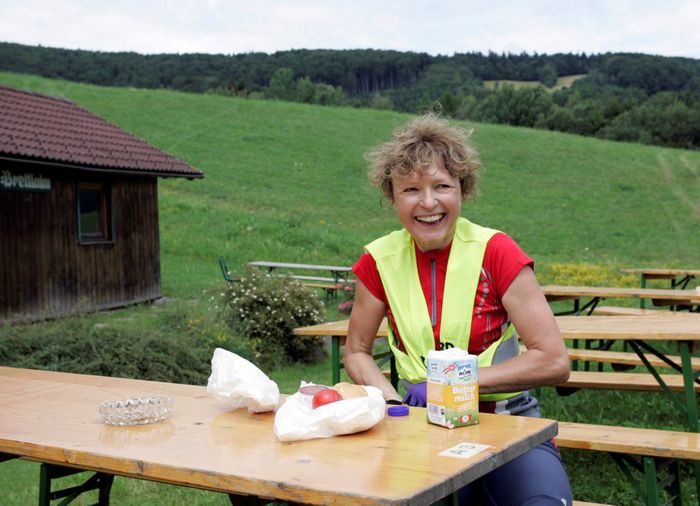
point(52, 417)
point(338, 331)
point(339, 275)
point(594, 294)
point(643, 334)
point(679, 278)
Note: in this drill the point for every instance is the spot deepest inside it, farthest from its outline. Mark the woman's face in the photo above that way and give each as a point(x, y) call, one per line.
point(428, 205)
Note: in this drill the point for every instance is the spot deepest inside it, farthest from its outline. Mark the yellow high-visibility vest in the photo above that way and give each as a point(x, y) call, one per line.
point(395, 257)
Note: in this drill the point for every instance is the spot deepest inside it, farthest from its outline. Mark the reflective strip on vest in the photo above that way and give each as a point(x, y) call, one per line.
point(395, 257)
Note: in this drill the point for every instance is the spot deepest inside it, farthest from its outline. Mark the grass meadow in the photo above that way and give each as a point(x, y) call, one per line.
point(287, 182)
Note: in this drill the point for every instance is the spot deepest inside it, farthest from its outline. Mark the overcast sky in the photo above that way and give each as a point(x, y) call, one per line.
point(670, 28)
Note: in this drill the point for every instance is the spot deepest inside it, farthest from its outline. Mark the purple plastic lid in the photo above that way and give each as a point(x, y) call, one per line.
point(398, 411)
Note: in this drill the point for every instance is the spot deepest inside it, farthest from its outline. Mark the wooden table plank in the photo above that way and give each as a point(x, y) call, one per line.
point(654, 327)
point(310, 267)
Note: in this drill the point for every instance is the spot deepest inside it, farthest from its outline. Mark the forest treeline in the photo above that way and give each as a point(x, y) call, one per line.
point(619, 96)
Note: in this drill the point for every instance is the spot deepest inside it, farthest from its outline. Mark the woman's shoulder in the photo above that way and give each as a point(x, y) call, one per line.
point(502, 241)
point(503, 260)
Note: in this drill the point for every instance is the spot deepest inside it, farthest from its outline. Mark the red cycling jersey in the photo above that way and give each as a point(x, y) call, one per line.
point(503, 260)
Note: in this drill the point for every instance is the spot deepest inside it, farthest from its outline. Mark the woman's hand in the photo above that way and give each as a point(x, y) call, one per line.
point(367, 314)
point(546, 361)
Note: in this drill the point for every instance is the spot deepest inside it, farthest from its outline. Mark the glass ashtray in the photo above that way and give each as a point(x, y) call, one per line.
point(136, 411)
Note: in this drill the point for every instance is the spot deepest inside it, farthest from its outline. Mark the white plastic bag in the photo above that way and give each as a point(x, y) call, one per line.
point(296, 420)
point(237, 383)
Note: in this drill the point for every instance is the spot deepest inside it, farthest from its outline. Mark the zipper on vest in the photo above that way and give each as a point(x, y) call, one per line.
point(433, 293)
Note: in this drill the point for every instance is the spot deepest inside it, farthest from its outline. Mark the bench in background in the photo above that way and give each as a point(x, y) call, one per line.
point(653, 454)
point(338, 279)
point(621, 381)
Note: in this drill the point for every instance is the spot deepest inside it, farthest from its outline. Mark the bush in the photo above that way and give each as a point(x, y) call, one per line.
point(173, 342)
point(265, 309)
point(582, 274)
point(164, 350)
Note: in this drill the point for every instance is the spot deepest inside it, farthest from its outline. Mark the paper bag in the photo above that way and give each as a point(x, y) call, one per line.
point(237, 383)
point(296, 420)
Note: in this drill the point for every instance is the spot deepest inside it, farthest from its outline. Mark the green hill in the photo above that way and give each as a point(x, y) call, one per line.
point(287, 182)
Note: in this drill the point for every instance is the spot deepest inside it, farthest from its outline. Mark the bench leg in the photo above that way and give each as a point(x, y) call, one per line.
point(102, 482)
point(650, 482)
point(656, 475)
point(335, 360)
point(689, 386)
point(450, 500)
point(248, 500)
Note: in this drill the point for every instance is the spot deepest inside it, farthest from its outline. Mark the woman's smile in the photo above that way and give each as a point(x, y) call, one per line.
point(430, 219)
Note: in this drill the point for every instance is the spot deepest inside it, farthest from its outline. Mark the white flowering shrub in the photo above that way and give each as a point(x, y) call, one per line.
point(265, 308)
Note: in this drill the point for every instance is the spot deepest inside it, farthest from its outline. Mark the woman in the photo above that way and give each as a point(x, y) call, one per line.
point(445, 282)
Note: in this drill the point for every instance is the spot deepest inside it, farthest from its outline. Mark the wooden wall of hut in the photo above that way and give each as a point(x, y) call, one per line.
point(46, 272)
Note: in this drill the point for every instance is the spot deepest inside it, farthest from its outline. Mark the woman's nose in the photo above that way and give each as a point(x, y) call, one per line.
point(427, 198)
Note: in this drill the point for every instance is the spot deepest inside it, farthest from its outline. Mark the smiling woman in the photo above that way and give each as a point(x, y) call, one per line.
point(444, 282)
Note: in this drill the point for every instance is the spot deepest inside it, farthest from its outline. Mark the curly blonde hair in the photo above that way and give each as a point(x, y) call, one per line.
point(420, 144)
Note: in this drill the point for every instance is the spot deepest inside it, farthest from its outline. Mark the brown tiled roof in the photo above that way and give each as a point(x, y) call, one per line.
point(43, 128)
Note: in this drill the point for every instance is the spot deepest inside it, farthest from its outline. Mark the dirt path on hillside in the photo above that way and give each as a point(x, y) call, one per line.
point(678, 188)
point(691, 168)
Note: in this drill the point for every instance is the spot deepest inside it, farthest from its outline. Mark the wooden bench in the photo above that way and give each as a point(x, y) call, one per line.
point(626, 311)
point(330, 289)
point(330, 285)
point(621, 381)
point(640, 382)
point(653, 453)
point(623, 358)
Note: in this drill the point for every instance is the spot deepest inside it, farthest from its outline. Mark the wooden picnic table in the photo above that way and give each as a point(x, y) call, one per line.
point(672, 275)
point(338, 331)
point(52, 417)
point(339, 273)
point(642, 333)
point(594, 294)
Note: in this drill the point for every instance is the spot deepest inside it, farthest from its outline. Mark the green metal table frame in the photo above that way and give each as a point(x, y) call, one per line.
point(381, 358)
point(102, 482)
point(679, 284)
point(649, 476)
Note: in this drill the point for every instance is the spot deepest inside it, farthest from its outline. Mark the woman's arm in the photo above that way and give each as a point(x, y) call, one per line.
point(367, 314)
point(546, 361)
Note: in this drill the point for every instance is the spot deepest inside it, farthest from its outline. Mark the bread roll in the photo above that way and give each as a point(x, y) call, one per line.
point(348, 390)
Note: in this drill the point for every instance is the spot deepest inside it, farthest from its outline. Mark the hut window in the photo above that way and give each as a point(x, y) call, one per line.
point(94, 212)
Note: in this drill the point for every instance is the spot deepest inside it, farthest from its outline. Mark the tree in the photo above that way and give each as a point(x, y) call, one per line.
point(548, 75)
point(282, 85)
point(306, 90)
point(328, 95)
point(381, 102)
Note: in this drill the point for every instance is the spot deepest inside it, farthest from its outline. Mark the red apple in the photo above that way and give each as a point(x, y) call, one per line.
point(325, 396)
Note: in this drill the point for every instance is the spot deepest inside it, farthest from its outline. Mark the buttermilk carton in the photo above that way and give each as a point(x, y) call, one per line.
point(453, 388)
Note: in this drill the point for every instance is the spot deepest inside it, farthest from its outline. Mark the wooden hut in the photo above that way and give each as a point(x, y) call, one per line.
point(78, 209)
